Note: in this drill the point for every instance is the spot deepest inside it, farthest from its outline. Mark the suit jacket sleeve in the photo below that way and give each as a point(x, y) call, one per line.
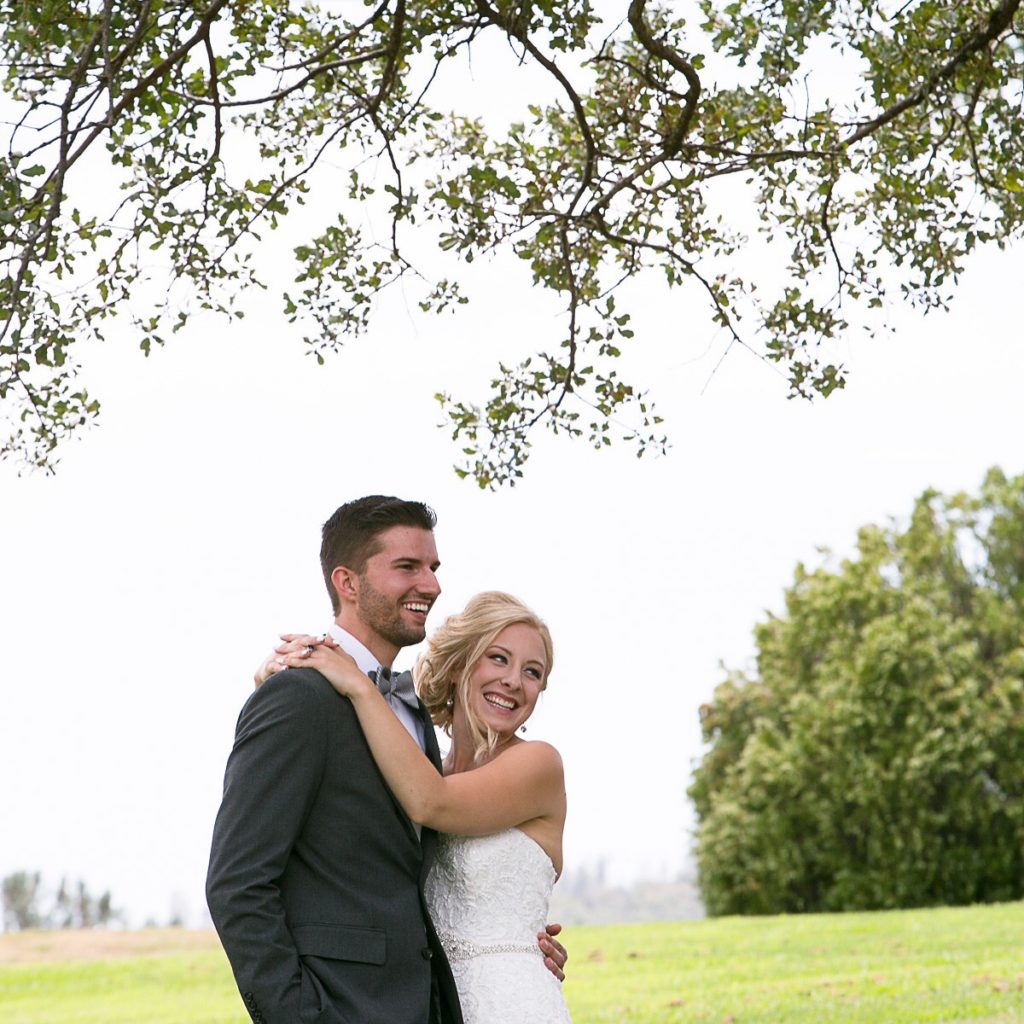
point(271, 781)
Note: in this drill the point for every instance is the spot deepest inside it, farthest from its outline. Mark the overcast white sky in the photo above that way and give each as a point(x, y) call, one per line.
point(142, 584)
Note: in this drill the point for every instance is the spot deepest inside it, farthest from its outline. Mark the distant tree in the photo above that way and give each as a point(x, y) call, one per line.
point(875, 143)
point(21, 896)
point(63, 915)
point(876, 758)
point(91, 911)
point(105, 912)
point(73, 905)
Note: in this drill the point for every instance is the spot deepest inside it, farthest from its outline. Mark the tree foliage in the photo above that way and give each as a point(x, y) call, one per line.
point(21, 892)
point(25, 905)
point(200, 125)
point(876, 758)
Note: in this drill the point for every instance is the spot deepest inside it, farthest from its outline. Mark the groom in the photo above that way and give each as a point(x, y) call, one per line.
point(316, 873)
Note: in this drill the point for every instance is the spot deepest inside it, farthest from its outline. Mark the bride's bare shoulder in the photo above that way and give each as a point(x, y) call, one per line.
point(539, 753)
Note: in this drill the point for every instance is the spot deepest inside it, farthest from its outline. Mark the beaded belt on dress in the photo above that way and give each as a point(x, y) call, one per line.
point(459, 948)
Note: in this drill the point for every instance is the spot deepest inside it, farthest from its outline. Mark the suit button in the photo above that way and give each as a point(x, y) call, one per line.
point(427, 952)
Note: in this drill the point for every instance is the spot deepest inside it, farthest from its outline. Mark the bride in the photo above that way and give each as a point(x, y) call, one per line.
point(500, 803)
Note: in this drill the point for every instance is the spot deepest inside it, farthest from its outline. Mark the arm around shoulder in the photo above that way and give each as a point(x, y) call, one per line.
point(523, 783)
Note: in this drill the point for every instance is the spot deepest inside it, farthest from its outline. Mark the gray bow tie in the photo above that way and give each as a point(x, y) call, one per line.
point(396, 686)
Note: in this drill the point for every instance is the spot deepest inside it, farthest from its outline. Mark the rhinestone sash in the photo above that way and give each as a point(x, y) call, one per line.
point(459, 948)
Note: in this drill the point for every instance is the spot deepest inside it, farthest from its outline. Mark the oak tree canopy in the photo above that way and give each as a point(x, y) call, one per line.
point(875, 143)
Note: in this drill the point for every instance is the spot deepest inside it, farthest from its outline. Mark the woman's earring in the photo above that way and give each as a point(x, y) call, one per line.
point(522, 728)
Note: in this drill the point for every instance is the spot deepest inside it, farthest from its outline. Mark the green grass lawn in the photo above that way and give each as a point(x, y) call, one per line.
point(891, 968)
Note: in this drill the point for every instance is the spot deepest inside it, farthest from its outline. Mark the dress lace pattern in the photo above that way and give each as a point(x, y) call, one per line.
point(488, 897)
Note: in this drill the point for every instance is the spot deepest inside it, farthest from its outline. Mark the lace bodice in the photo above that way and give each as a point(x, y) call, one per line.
point(488, 898)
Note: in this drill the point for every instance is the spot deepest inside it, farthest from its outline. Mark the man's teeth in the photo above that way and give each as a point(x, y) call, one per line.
point(417, 607)
point(501, 702)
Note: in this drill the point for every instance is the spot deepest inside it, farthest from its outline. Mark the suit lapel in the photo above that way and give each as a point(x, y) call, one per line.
point(430, 738)
point(428, 837)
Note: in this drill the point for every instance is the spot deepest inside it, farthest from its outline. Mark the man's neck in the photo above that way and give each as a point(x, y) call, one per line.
point(380, 648)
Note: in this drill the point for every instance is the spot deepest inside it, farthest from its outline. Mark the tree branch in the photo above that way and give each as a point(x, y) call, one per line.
point(674, 141)
point(998, 21)
point(517, 29)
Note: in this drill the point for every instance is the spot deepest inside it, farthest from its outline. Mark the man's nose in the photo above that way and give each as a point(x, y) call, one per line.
point(427, 583)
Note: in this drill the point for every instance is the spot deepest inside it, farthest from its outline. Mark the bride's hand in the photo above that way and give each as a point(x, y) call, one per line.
point(291, 643)
point(337, 667)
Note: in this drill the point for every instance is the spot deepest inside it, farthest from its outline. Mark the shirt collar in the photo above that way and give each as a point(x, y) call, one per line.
point(357, 650)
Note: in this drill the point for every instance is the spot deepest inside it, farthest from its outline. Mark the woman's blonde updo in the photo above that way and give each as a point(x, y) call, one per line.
point(442, 672)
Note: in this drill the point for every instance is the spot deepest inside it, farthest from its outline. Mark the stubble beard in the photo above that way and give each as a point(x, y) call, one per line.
point(383, 614)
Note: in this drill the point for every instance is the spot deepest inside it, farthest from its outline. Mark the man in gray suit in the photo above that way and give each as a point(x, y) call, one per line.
point(316, 873)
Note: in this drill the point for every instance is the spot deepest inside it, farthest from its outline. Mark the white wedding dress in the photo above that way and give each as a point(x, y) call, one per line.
point(488, 897)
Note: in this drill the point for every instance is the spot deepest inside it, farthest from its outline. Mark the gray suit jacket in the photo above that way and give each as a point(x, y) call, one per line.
point(316, 874)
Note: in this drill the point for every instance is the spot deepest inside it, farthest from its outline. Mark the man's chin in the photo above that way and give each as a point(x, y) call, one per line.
point(408, 637)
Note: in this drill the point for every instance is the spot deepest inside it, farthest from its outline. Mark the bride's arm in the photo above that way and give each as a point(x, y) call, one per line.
point(524, 783)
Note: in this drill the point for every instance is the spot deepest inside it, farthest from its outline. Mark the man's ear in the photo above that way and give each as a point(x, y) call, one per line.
point(345, 583)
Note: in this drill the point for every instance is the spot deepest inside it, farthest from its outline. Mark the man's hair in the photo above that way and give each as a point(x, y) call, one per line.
point(350, 536)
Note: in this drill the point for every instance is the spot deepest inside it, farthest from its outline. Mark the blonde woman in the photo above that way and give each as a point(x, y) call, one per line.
point(500, 803)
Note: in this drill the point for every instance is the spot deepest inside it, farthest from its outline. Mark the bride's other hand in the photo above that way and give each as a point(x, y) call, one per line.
point(291, 643)
point(337, 667)
point(555, 954)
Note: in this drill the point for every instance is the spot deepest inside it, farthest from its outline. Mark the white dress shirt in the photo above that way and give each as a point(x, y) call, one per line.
point(368, 663)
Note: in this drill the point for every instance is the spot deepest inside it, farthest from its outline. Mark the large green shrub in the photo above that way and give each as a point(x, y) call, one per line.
point(876, 758)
